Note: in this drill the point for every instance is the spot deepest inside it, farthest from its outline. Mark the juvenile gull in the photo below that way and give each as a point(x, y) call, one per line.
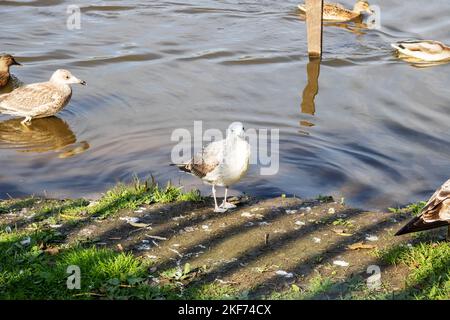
point(6, 61)
point(40, 100)
point(436, 213)
point(222, 163)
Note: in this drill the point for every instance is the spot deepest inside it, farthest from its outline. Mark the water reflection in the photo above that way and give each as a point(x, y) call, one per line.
point(418, 63)
point(43, 135)
point(12, 84)
point(308, 105)
point(356, 26)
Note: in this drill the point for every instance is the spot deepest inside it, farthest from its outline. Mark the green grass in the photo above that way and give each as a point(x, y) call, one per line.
point(124, 196)
point(429, 266)
point(30, 270)
point(316, 286)
point(413, 208)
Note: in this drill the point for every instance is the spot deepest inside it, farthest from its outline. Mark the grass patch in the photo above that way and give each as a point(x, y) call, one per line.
point(316, 286)
point(429, 265)
point(34, 258)
point(413, 208)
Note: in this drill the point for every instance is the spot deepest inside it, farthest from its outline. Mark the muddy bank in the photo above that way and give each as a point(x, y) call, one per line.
point(260, 249)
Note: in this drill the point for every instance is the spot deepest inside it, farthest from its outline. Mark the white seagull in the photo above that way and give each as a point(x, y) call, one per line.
point(40, 100)
point(222, 163)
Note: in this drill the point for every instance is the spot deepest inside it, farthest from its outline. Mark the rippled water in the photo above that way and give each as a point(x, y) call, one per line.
point(376, 133)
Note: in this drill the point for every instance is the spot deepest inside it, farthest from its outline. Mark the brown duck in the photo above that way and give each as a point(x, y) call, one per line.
point(6, 61)
point(435, 214)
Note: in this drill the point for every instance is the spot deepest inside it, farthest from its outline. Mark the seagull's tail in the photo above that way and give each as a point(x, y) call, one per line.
point(417, 224)
point(183, 167)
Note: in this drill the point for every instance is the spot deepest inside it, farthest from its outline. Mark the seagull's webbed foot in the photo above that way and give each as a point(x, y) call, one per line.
point(26, 121)
point(219, 210)
point(227, 205)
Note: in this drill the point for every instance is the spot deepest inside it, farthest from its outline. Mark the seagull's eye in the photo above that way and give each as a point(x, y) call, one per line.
point(67, 77)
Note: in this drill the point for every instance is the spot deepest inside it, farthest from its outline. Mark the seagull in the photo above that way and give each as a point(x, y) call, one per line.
point(435, 214)
point(423, 50)
point(40, 100)
point(337, 12)
point(5, 62)
point(222, 163)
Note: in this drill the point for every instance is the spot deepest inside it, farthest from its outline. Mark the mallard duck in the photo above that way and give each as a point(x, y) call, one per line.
point(6, 61)
point(337, 12)
point(423, 50)
point(40, 100)
point(222, 163)
point(436, 213)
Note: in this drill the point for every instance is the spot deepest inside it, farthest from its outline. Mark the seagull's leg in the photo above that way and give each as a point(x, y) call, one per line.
point(216, 207)
point(26, 121)
point(225, 204)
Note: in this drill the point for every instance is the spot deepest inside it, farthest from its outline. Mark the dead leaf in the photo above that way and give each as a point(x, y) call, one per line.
point(361, 245)
point(119, 247)
point(52, 251)
point(342, 232)
point(138, 224)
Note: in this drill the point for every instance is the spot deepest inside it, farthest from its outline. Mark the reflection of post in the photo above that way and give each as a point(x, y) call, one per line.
point(312, 87)
point(314, 27)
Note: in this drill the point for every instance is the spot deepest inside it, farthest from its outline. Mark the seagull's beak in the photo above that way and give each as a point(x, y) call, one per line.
point(15, 63)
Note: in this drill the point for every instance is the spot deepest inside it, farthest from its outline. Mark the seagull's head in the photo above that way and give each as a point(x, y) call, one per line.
point(8, 60)
point(62, 76)
point(236, 129)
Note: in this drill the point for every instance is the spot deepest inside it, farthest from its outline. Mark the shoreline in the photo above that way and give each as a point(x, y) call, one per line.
point(168, 244)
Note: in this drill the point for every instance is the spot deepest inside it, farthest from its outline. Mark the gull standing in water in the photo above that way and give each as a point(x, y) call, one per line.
point(435, 214)
point(222, 163)
point(40, 100)
point(6, 61)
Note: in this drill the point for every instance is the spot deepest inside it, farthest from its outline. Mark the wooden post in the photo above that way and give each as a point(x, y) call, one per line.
point(314, 10)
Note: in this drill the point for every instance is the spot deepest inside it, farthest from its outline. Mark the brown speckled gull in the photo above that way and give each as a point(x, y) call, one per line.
point(6, 61)
point(40, 100)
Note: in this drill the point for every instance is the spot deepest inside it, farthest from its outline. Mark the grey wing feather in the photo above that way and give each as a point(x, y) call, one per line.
point(207, 160)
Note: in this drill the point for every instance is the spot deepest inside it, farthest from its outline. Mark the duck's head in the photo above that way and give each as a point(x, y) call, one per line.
point(8, 60)
point(236, 129)
point(62, 76)
point(362, 6)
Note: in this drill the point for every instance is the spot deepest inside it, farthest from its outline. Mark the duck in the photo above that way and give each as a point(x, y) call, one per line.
point(40, 100)
point(6, 61)
point(337, 12)
point(435, 213)
point(222, 163)
point(423, 50)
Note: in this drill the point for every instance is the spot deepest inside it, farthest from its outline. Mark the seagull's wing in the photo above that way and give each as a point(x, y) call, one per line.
point(438, 207)
point(207, 160)
point(24, 99)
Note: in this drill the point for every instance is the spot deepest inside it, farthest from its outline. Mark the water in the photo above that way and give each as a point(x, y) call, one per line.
point(376, 132)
